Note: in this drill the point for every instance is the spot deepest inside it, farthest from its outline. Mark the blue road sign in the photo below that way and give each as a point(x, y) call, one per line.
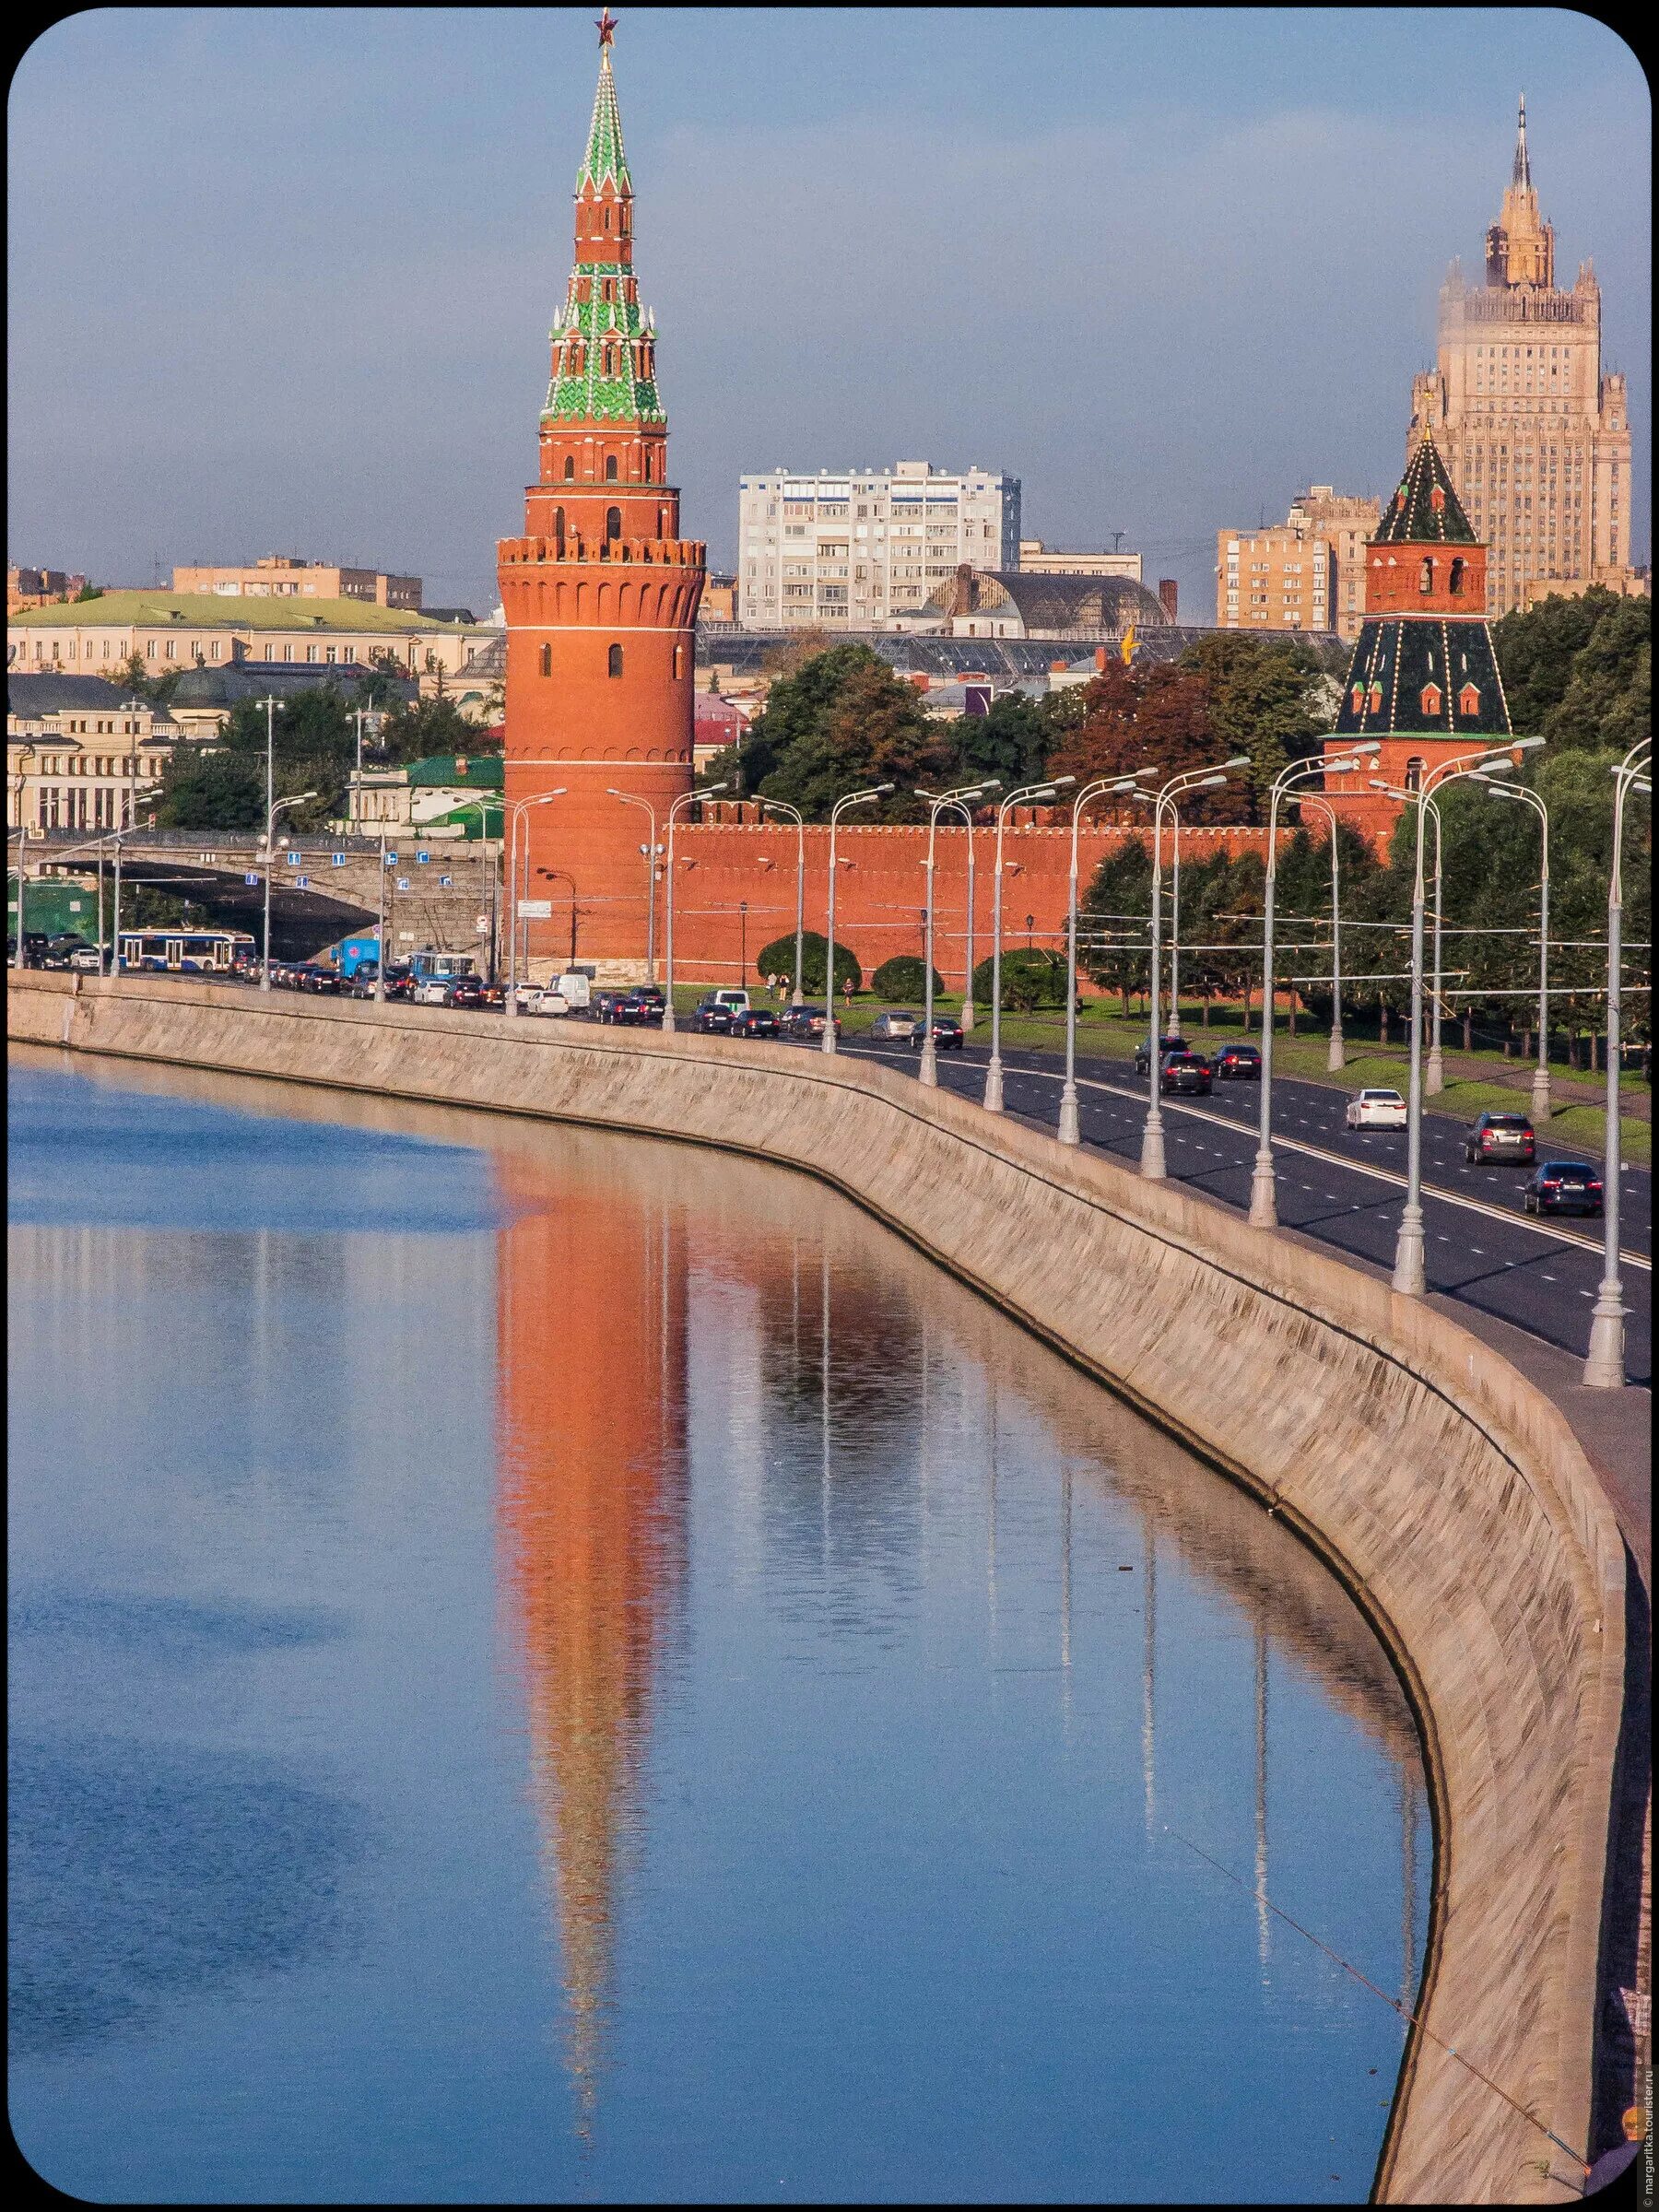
point(250, 879)
point(302, 883)
point(336, 860)
point(444, 882)
point(423, 858)
point(403, 882)
point(391, 860)
point(293, 860)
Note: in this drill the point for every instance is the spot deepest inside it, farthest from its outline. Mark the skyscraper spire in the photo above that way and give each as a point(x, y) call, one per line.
point(1522, 172)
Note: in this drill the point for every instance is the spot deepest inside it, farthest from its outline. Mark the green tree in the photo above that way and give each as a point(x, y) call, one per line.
point(1010, 742)
point(778, 959)
point(1113, 922)
point(848, 722)
point(1261, 692)
point(88, 591)
point(1608, 701)
point(425, 728)
point(212, 791)
point(903, 977)
point(1536, 650)
point(1031, 978)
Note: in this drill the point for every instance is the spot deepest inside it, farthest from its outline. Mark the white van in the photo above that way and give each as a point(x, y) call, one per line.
point(575, 989)
point(737, 1000)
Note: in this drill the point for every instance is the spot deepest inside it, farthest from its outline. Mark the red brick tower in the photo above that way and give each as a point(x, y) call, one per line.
point(601, 591)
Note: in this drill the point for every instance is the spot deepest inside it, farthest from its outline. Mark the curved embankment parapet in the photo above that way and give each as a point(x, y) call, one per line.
point(1448, 1493)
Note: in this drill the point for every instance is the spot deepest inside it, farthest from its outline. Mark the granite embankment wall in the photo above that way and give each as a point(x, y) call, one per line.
point(1448, 1494)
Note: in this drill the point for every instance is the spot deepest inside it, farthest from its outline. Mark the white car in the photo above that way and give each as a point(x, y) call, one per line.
point(87, 960)
point(1377, 1110)
point(432, 990)
point(549, 1001)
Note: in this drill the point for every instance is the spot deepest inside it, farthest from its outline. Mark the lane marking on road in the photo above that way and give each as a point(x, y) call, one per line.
point(1359, 1167)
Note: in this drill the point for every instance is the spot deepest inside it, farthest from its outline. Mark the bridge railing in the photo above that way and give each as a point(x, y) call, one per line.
point(229, 841)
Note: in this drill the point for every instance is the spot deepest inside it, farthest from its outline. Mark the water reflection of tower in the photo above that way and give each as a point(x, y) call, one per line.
point(591, 1320)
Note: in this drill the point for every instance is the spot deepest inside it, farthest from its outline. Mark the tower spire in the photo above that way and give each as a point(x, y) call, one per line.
point(1521, 174)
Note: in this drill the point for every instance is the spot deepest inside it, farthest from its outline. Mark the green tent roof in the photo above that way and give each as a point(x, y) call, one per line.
point(1425, 510)
point(203, 610)
point(443, 772)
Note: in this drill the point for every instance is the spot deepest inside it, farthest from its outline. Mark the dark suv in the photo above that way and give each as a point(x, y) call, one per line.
point(1562, 1186)
point(712, 1017)
point(1185, 1071)
point(1237, 1064)
point(1165, 1045)
point(641, 1008)
point(1500, 1137)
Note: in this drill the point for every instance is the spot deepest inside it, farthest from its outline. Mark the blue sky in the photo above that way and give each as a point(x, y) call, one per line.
point(281, 279)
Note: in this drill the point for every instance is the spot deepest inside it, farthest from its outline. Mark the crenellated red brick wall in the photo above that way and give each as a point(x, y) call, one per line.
point(881, 889)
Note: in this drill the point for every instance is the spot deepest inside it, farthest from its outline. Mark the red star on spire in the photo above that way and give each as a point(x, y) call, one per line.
point(607, 27)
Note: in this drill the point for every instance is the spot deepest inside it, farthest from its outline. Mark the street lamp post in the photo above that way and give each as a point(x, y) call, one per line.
point(115, 923)
point(956, 802)
point(380, 927)
point(1192, 779)
point(22, 847)
point(296, 799)
point(1030, 793)
point(520, 808)
point(1336, 1057)
point(793, 814)
point(1264, 1195)
point(1434, 1072)
point(853, 798)
point(1541, 1107)
point(1069, 1132)
point(684, 798)
point(650, 851)
point(1408, 1272)
point(1604, 1366)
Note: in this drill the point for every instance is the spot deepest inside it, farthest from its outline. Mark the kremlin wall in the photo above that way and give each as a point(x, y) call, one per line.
point(601, 597)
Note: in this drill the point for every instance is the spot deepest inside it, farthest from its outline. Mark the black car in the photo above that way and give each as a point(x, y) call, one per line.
point(400, 981)
point(310, 975)
point(712, 1018)
point(1500, 1137)
point(35, 942)
point(467, 991)
point(805, 1024)
point(1143, 1052)
point(641, 1008)
point(604, 1003)
point(1562, 1186)
point(754, 1021)
point(1237, 1064)
point(1185, 1071)
point(62, 949)
point(947, 1034)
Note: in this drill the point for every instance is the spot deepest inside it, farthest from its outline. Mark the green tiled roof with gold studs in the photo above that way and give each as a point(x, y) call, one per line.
point(592, 397)
point(1425, 509)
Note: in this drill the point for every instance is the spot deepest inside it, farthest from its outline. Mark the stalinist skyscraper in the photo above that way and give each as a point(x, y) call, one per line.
point(1535, 438)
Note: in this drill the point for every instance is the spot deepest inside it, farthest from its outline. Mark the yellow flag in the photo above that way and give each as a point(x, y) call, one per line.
point(1127, 647)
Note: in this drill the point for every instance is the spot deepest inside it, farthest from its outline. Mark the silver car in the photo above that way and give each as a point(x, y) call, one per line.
point(894, 1026)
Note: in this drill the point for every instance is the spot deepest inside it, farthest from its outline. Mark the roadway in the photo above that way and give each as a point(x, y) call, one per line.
point(1346, 1187)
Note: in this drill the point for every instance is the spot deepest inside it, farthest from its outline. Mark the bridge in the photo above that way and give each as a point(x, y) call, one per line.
point(322, 888)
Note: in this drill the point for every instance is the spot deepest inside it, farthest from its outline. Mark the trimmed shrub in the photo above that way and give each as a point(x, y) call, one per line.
point(903, 977)
point(1029, 979)
point(778, 959)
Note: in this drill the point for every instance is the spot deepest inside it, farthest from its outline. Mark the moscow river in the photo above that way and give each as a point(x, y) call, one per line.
point(546, 1666)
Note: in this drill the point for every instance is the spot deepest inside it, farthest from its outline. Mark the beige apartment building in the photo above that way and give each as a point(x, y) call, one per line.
point(849, 551)
point(1038, 559)
point(170, 630)
point(287, 576)
point(1307, 573)
point(1535, 438)
point(79, 752)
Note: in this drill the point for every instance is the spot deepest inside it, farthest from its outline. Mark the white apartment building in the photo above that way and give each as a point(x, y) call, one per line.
point(850, 552)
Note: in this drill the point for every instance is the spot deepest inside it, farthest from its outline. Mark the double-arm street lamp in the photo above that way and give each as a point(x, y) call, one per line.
point(955, 802)
point(1031, 794)
point(1408, 1272)
point(520, 808)
point(793, 814)
point(684, 798)
point(1069, 1132)
point(295, 798)
point(853, 798)
point(1525, 796)
point(651, 852)
point(1192, 779)
point(1336, 1057)
point(1263, 1198)
point(22, 784)
point(1604, 1369)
